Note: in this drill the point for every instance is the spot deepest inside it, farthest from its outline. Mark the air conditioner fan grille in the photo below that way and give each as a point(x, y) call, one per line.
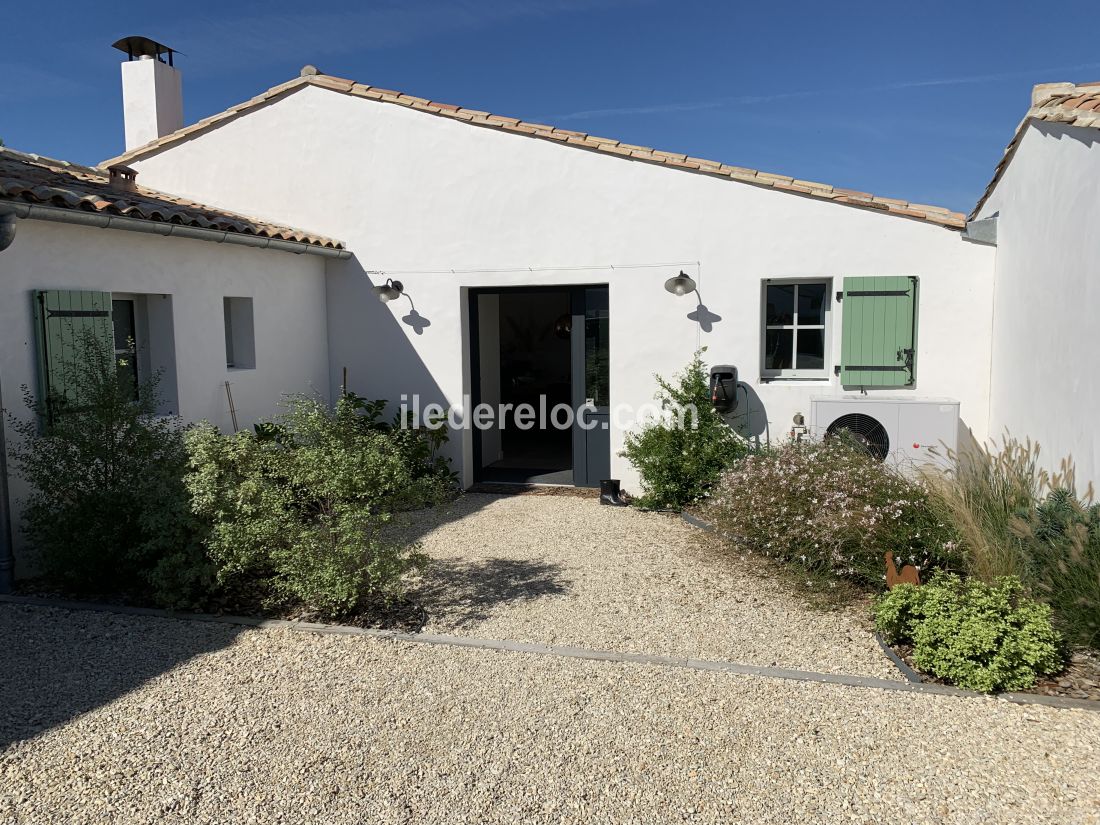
point(866, 431)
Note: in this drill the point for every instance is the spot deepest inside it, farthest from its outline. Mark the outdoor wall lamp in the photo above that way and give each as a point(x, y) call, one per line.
point(389, 291)
point(7, 230)
point(680, 285)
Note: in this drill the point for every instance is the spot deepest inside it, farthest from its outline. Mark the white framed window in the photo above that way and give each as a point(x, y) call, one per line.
point(145, 343)
point(795, 329)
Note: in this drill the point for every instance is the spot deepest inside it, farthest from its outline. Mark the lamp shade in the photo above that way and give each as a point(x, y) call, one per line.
point(680, 285)
point(389, 291)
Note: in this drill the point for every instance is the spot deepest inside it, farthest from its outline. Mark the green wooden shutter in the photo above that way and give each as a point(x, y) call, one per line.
point(879, 332)
point(62, 320)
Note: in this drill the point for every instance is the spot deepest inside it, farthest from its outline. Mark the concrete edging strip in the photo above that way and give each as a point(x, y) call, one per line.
point(695, 521)
point(564, 651)
point(897, 661)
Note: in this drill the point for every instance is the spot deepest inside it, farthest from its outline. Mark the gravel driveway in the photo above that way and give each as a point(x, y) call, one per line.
point(564, 570)
point(183, 722)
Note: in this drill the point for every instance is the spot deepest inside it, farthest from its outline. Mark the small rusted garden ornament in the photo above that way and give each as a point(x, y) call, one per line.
point(908, 574)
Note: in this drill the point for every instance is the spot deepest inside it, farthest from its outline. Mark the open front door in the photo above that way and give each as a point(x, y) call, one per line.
point(591, 386)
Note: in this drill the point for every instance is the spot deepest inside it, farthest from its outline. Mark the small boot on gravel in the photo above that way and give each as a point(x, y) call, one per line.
point(610, 493)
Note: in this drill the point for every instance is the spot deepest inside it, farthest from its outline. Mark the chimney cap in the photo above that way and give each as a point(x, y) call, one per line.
point(122, 178)
point(137, 46)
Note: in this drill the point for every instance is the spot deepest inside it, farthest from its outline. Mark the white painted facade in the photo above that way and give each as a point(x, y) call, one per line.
point(180, 284)
point(1047, 298)
point(445, 206)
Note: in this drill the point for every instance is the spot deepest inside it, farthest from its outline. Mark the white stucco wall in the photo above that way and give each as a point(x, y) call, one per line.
point(411, 191)
point(289, 312)
point(1045, 383)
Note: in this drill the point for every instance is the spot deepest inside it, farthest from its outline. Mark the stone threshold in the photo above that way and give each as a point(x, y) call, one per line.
point(563, 651)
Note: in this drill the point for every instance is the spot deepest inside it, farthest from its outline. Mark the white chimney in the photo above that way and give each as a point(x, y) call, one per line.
point(152, 91)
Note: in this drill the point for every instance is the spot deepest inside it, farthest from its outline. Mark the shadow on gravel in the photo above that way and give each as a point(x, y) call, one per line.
point(59, 664)
point(463, 593)
point(56, 665)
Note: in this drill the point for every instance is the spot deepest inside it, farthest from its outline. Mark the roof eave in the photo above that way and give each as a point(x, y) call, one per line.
point(101, 220)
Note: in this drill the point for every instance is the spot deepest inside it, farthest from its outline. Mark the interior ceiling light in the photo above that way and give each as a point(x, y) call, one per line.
point(389, 291)
point(563, 327)
point(680, 285)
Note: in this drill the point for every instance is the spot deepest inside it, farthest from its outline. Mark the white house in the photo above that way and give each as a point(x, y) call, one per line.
point(464, 207)
point(532, 263)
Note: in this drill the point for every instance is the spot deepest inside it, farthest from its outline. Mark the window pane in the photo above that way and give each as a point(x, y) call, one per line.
point(811, 303)
point(780, 304)
point(811, 349)
point(122, 313)
point(596, 366)
point(778, 344)
point(126, 369)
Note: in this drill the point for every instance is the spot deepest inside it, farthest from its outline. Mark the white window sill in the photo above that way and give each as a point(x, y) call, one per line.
point(817, 381)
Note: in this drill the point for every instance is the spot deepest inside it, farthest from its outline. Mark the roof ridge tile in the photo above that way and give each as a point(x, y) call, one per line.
point(1054, 108)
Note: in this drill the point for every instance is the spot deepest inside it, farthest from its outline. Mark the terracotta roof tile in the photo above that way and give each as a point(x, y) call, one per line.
point(37, 180)
point(809, 184)
point(1077, 105)
point(610, 146)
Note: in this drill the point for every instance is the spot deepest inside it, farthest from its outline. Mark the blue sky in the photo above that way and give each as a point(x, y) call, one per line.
point(913, 100)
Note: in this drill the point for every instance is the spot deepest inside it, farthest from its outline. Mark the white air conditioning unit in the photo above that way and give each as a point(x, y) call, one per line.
point(902, 431)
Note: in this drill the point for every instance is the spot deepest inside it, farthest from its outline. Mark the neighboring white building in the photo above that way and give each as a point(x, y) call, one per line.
point(208, 297)
point(1046, 309)
point(533, 262)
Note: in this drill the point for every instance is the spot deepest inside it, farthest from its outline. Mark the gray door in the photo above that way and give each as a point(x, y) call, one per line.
point(591, 386)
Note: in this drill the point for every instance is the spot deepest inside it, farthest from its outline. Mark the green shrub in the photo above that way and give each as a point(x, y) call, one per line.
point(1016, 519)
point(299, 506)
point(678, 464)
point(985, 637)
point(108, 510)
point(831, 509)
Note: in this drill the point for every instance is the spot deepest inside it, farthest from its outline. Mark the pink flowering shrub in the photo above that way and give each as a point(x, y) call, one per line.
point(831, 508)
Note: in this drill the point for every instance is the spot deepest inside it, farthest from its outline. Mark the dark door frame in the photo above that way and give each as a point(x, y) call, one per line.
point(592, 443)
point(576, 293)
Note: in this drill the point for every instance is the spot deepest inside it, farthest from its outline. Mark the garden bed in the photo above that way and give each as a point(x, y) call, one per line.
point(1079, 680)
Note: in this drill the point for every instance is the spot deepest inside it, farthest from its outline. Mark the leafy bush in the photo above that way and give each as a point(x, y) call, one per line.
point(677, 463)
point(985, 637)
point(108, 509)
point(299, 506)
point(1014, 518)
point(831, 508)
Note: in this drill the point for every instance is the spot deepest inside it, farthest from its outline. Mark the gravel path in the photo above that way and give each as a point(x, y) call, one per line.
point(564, 570)
point(182, 722)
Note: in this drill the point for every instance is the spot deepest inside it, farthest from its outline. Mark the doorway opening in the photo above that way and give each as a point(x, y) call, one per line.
point(535, 352)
